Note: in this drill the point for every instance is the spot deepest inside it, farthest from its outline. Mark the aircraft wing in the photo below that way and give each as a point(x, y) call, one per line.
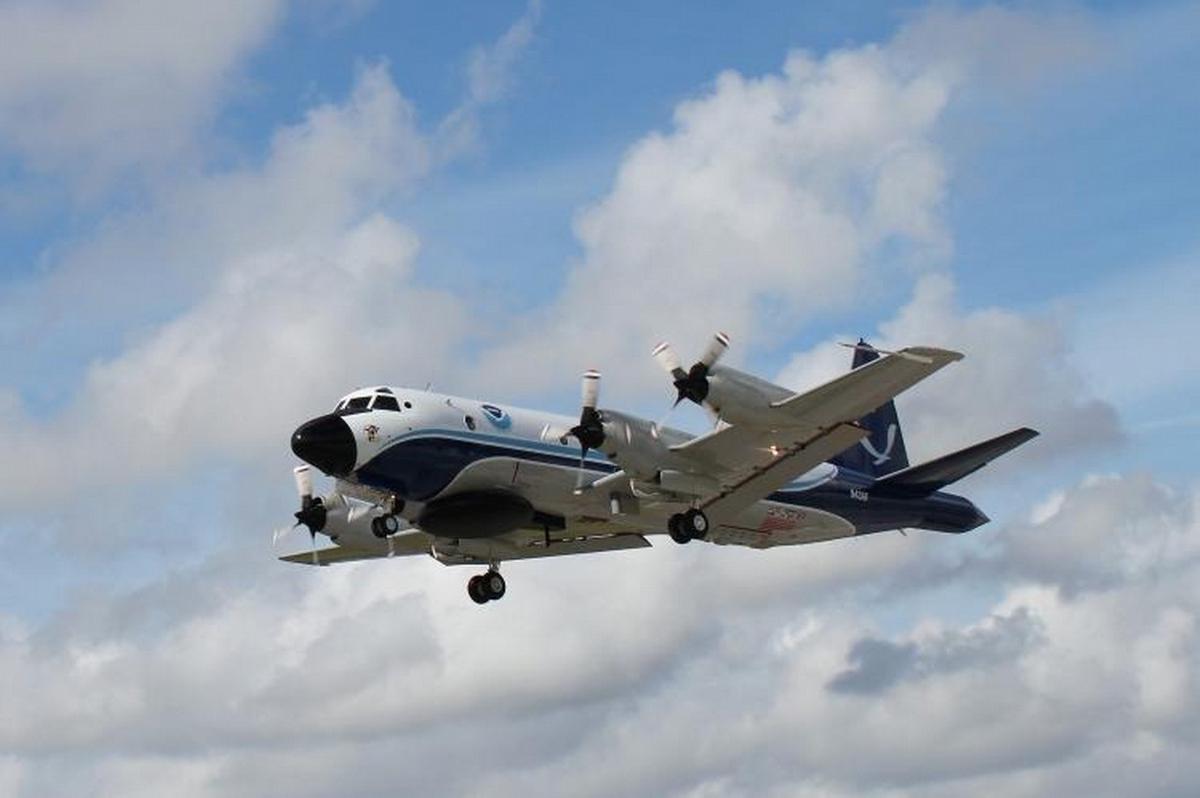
point(405, 544)
point(481, 551)
point(751, 462)
point(334, 554)
point(858, 392)
point(476, 551)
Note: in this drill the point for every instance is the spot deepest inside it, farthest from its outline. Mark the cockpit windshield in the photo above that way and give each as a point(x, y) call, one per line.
point(385, 402)
point(380, 399)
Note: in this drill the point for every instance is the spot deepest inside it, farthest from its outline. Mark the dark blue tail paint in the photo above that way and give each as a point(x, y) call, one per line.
point(882, 452)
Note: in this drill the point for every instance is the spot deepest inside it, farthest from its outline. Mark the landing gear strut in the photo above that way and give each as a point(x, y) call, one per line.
point(486, 587)
point(692, 525)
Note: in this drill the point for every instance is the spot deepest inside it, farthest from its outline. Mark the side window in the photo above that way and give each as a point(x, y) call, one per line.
point(386, 403)
point(469, 421)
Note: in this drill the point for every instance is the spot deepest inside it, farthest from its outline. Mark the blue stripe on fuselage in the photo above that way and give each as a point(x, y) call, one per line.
point(421, 464)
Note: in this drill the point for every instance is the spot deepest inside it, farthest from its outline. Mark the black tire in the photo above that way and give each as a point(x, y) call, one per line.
point(475, 590)
point(694, 524)
point(493, 585)
point(384, 526)
point(675, 528)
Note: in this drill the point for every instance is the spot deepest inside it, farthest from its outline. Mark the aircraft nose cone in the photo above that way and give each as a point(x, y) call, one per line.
point(327, 443)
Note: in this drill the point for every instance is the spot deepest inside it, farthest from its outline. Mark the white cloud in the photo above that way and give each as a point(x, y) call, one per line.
point(289, 265)
point(489, 78)
point(765, 202)
point(91, 90)
point(1019, 371)
point(385, 672)
point(695, 671)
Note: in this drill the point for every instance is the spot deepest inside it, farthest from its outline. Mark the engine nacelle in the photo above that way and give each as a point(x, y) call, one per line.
point(349, 521)
point(741, 398)
point(640, 446)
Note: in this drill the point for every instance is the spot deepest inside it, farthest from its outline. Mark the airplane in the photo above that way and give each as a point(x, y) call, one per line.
point(477, 483)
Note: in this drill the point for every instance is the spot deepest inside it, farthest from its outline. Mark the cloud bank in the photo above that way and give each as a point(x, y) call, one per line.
point(1054, 654)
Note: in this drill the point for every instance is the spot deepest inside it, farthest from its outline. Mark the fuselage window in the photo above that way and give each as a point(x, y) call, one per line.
point(469, 421)
point(386, 403)
point(408, 405)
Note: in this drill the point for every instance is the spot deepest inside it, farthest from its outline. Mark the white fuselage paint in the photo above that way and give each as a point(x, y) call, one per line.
point(527, 437)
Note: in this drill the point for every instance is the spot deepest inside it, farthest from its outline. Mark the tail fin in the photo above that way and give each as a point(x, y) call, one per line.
point(936, 474)
point(882, 452)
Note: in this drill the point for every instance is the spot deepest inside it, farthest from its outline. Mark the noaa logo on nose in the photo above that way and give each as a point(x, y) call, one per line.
point(499, 419)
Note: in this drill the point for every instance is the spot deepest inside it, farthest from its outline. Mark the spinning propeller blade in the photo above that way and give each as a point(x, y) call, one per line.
point(590, 429)
point(691, 384)
point(312, 513)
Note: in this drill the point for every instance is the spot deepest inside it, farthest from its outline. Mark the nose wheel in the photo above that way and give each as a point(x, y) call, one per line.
point(388, 524)
point(684, 527)
point(486, 587)
point(385, 526)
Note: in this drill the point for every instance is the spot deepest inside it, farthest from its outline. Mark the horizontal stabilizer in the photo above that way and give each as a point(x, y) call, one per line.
point(937, 474)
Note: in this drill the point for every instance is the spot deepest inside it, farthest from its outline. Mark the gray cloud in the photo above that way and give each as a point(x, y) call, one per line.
point(224, 673)
point(878, 665)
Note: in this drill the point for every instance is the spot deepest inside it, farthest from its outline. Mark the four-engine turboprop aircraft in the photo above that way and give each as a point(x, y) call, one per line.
point(470, 482)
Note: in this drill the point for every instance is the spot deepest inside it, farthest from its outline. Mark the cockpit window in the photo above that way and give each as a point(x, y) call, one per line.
point(358, 403)
point(386, 403)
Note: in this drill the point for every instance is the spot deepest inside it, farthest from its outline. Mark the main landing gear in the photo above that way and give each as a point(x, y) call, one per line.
point(692, 525)
point(486, 587)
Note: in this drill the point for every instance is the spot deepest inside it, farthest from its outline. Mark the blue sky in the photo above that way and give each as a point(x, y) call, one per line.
point(215, 220)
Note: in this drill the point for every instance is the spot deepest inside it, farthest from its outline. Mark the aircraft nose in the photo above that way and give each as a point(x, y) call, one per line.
point(327, 443)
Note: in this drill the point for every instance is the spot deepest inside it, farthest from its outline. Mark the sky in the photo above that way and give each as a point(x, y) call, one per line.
point(217, 218)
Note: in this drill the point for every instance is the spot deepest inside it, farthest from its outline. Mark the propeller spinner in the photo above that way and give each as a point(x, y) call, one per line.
point(590, 429)
point(312, 513)
point(693, 383)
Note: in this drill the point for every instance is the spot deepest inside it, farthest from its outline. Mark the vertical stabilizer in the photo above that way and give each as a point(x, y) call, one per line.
point(881, 452)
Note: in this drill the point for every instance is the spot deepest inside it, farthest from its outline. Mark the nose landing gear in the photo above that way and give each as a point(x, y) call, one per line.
point(486, 587)
point(684, 527)
point(385, 526)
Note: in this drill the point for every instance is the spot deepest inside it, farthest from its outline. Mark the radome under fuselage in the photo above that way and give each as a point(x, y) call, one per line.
point(423, 447)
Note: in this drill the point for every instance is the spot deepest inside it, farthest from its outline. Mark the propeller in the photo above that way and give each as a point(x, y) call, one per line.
point(693, 383)
point(590, 429)
point(312, 512)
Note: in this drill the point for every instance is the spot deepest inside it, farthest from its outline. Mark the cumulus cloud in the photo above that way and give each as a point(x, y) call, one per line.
point(91, 90)
point(877, 665)
point(772, 200)
point(764, 202)
point(379, 674)
point(1020, 370)
point(694, 671)
point(298, 267)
